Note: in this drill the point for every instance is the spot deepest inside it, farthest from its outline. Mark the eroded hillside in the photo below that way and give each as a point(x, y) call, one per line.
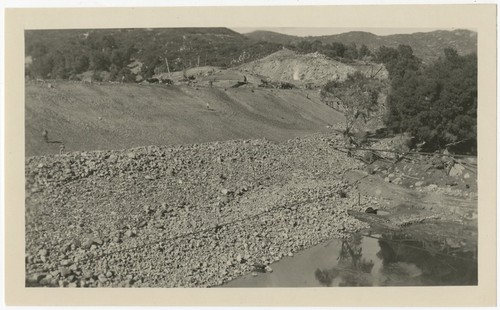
point(315, 68)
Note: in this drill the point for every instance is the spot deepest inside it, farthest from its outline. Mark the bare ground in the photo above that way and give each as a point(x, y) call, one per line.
point(201, 215)
point(119, 116)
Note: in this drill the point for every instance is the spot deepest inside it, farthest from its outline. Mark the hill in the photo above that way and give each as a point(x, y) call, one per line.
point(301, 69)
point(426, 45)
point(64, 53)
point(274, 71)
point(118, 116)
point(270, 36)
point(135, 54)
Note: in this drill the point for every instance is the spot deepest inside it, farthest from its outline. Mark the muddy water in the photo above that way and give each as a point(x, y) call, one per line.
point(375, 260)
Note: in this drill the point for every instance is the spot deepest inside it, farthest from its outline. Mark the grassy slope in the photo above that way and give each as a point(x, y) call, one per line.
point(97, 117)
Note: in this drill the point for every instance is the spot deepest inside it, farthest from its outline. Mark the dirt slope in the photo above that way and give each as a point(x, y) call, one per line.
point(315, 68)
point(111, 116)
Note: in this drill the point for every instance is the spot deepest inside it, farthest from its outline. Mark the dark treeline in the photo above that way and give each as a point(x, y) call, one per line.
point(436, 103)
point(62, 54)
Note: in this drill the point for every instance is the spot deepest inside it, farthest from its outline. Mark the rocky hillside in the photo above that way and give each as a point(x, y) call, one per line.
point(315, 68)
point(117, 116)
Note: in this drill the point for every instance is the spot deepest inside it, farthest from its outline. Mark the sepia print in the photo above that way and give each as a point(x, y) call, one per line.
point(238, 157)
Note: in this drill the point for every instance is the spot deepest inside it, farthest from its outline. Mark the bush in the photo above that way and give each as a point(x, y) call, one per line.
point(126, 74)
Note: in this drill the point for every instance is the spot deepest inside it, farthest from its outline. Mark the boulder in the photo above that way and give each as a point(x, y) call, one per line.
point(43, 252)
point(129, 233)
point(131, 155)
point(456, 170)
point(432, 187)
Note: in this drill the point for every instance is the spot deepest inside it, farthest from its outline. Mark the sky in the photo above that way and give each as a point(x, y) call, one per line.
point(303, 32)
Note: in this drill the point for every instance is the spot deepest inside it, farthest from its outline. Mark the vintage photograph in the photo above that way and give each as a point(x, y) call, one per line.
point(251, 157)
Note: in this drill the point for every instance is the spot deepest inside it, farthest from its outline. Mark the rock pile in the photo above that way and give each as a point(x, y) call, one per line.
point(302, 69)
point(183, 216)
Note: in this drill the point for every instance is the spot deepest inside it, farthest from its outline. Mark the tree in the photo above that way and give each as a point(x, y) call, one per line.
point(453, 101)
point(81, 64)
point(406, 95)
point(36, 50)
point(125, 75)
point(364, 52)
point(385, 54)
point(356, 98)
point(100, 61)
point(338, 49)
point(304, 46)
point(42, 66)
point(351, 51)
point(113, 73)
point(436, 104)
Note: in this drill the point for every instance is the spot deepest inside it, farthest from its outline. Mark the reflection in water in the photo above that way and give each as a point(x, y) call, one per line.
point(378, 260)
point(351, 267)
point(403, 262)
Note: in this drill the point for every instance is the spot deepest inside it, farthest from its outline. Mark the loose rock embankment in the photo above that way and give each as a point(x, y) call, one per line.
point(183, 216)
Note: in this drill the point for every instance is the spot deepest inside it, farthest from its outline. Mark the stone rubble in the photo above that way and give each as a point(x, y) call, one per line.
point(183, 216)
